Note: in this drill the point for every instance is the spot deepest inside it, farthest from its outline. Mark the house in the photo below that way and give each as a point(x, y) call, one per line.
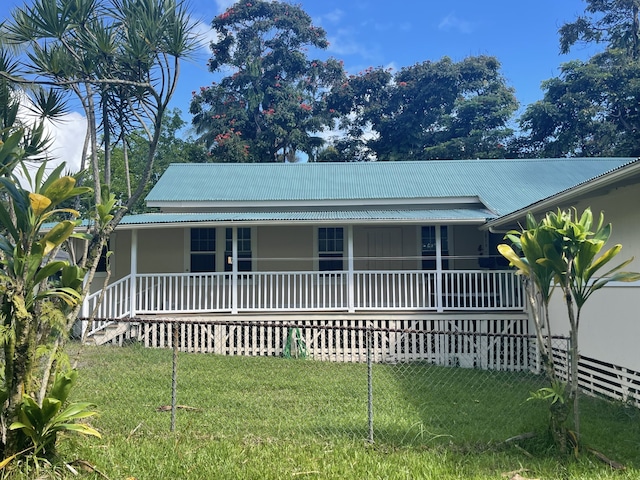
point(408, 242)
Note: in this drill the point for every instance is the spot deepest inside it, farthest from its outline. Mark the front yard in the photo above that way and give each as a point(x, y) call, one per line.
point(283, 418)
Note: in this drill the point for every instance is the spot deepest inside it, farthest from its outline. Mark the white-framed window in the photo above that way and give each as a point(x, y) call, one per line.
point(429, 247)
point(244, 249)
point(202, 250)
point(330, 249)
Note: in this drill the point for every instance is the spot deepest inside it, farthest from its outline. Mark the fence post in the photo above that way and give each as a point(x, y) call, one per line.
point(174, 377)
point(370, 383)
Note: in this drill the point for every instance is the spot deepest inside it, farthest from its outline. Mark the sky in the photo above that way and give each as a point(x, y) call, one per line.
point(371, 33)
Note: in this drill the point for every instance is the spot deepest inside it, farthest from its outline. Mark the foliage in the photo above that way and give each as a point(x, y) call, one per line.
point(431, 110)
point(40, 424)
point(566, 249)
point(269, 109)
point(172, 148)
point(613, 22)
point(28, 296)
point(591, 109)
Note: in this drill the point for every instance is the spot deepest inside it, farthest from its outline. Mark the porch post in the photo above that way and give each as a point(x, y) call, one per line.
point(350, 276)
point(84, 311)
point(234, 270)
point(134, 273)
point(438, 269)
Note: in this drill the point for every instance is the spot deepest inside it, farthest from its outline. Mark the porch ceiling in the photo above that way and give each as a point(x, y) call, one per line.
point(469, 216)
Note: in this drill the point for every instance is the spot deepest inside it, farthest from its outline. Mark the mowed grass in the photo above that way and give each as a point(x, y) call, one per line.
point(273, 418)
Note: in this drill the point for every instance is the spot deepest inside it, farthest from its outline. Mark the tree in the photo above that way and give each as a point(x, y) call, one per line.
point(431, 110)
point(565, 249)
point(613, 22)
point(269, 109)
point(120, 59)
point(591, 109)
point(171, 148)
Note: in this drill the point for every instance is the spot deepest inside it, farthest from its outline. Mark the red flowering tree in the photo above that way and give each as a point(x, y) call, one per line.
point(430, 110)
point(273, 104)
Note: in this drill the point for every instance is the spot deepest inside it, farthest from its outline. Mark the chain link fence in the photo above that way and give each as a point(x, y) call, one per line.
point(396, 382)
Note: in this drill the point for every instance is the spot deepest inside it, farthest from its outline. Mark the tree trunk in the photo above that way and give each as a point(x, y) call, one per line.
point(22, 360)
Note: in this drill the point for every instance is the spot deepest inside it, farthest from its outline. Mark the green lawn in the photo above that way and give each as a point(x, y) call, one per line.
point(274, 418)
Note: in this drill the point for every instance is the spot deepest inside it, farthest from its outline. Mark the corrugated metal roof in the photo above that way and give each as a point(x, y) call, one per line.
point(503, 185)
point(458, 215)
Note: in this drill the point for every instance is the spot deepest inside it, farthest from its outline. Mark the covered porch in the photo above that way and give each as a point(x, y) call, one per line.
point(370, 269)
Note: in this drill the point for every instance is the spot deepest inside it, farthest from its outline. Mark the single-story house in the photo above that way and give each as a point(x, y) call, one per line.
point(376, 240)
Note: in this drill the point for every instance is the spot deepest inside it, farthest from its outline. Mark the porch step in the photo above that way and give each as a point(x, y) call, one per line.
point(110, 332)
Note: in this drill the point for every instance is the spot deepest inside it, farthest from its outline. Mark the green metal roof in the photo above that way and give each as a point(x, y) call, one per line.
point(421, 216)
point(502, 185)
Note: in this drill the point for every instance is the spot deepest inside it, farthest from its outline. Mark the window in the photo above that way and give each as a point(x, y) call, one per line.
point(104, 258)
point(203, 250)
point(429, 247)
point(244, 249)
point(330, 249)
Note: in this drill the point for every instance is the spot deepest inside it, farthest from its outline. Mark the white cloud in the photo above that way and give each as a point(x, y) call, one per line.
point(66, 136)
point(204, 35)
point(224, 4)
point(333, 16)
point(453, 22)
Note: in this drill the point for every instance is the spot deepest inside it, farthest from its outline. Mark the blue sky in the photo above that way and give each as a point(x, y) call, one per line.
point(523, 35)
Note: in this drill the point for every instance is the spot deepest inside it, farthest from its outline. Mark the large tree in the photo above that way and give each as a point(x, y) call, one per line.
point(120, 58)
point(431, 110)
point(273, 104)
point(612, 22)
point(592, 107)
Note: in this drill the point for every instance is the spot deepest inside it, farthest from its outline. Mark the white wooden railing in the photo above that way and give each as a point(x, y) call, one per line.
point(312, 291)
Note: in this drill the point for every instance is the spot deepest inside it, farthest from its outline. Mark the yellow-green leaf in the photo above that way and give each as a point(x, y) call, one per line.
point(39, 203)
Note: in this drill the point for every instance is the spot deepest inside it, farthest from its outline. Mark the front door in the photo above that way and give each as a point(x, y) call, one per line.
point(384, 248)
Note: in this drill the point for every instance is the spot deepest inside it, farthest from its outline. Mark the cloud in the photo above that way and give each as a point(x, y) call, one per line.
point(66, 135)
point(453, 22)
point(224, 4)
point(333, 17)
point(204, 35)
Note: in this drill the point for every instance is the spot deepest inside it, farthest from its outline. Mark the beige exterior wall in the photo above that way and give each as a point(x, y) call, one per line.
point(610, 321)
point(295, 245)
point(464, 245)
point(294, 248)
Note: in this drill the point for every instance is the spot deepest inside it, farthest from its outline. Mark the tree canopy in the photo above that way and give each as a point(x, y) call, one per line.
point(273, 104)
point(431, 110)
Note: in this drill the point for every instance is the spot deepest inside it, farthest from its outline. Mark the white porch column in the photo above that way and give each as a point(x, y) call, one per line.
point(438, 269)
point(234, 270)
point(84, 311)
point(134, 273)
point(350, 276)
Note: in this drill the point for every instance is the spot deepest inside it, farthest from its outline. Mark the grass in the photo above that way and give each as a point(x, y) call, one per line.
point(271, 418)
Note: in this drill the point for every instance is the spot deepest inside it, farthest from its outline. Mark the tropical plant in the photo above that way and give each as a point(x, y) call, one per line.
point(40, 424)
point(430, 110)
point(567, 250)
point(28, 298)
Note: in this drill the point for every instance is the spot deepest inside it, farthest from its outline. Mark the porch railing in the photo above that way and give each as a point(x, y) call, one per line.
point(311, 291)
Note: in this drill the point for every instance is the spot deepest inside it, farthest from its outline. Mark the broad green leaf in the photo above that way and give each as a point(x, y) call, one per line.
point(48, 270)
point(39, 203)
point(58, 234)
point(507, 252)
point(81, 428)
